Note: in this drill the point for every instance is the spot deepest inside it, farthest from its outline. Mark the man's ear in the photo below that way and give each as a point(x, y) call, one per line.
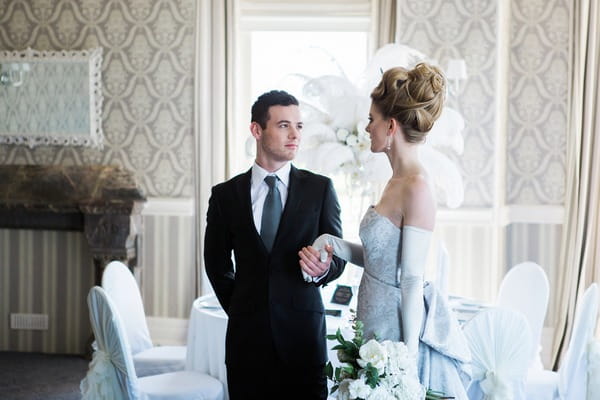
point(256, 130)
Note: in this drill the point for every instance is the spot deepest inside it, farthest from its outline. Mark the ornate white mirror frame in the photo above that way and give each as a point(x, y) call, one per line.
point(51, 97)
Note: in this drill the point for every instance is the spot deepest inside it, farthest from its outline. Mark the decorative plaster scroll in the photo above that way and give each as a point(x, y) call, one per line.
point(59, 101)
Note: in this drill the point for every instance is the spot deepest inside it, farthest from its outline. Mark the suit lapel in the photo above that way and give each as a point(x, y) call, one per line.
point(243, 193)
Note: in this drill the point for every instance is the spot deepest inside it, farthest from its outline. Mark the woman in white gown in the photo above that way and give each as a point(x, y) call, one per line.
point(393, 302)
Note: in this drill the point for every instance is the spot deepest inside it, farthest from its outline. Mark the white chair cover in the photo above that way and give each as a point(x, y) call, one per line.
point(525, 289)
point(593, 387)
point(572, 374)
point(499, 340)
point(121, 286)
point(112, 374)
point(570, 382)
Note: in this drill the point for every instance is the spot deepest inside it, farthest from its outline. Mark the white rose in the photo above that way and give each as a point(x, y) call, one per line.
point(374, 353)
point(399, 358)
point(342, 134)
point(407, 388)
point(380, 393)
point(359, 388)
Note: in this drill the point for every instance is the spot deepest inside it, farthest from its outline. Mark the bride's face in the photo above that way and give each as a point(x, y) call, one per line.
point(378, 129)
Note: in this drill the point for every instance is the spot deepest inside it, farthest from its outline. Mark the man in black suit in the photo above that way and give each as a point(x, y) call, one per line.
point(275, 344)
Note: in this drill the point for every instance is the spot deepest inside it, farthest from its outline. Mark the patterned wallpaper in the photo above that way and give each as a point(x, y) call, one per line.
point(148, 82)
point(445, 29)
point(537, 79)
point(537, 116)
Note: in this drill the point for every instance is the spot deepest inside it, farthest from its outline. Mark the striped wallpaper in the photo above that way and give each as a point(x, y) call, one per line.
point(539, 243)
point(45, 272)
point(50, 272)
point(167, 276)
point(468, 245)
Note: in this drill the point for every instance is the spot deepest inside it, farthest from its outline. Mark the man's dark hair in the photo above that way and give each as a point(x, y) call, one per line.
point(260, 108)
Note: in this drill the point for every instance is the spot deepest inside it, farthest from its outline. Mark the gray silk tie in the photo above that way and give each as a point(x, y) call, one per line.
point(271, 213)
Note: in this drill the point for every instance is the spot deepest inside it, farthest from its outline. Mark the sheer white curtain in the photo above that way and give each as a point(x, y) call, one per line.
point(580, 260)
point(215, 25)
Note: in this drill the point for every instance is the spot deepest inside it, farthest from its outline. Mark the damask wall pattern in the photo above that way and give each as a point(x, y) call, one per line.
point(147, 72)
point(538, 90)
point(444, 29)
point(537, 85)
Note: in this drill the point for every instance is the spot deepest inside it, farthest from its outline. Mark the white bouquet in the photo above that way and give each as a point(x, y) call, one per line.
point(375, 370)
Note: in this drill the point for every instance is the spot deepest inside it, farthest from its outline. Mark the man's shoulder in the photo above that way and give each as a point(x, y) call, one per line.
point(312, 176)
point(231, 182)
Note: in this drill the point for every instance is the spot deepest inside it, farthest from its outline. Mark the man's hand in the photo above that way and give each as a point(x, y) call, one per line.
point(310, 261)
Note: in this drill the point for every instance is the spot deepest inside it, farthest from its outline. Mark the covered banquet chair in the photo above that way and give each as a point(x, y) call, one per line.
point(111, 375)
point(120, 284)
point(570, 382)
point(525, 288)
point(499, 340)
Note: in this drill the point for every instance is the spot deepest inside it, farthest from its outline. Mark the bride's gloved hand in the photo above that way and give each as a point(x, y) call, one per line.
point(314, 263)
point(343, 249)
point(351, 252)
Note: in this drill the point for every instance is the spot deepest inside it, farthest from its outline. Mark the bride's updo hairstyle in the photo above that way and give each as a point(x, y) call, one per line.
point(415, 98)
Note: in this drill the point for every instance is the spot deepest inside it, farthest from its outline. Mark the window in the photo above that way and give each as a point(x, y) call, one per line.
point(310, 37)
point(277, 39)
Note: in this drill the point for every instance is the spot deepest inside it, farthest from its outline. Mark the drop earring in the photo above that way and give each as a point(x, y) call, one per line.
point(388, 147)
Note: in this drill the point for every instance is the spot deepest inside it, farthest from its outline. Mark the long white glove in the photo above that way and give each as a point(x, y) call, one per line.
point(415, 245)
point(343, 249)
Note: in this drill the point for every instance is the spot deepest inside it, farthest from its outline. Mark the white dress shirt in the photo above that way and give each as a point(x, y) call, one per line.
point(259, 189)
point(258, 193)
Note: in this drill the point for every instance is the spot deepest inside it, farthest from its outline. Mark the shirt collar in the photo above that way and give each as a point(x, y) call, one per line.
point(259, 174)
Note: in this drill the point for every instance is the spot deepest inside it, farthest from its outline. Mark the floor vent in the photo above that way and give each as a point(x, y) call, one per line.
point(29, 321)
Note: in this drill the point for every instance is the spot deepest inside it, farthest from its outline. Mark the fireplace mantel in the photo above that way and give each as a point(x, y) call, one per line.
point(102, 201)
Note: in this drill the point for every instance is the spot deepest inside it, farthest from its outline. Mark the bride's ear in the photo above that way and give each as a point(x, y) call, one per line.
point(393, 125)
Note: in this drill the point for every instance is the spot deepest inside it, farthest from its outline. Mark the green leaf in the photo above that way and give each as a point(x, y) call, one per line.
point(329, 370)
point(372, 375)
point(340, 338)
point(331, 337)
point(435, 395)
point(349, 369)
point(334, 388)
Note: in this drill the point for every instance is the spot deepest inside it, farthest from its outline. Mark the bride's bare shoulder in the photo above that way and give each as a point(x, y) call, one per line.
point(417, 202)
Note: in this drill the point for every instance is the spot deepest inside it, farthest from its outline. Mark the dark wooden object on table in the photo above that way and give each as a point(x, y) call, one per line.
point(102, 201)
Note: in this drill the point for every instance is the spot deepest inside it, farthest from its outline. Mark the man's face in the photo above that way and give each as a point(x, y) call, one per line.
point(279, 140)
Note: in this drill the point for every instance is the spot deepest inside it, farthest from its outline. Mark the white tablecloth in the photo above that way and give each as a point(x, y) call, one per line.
point(206, 339)
point(208, 326)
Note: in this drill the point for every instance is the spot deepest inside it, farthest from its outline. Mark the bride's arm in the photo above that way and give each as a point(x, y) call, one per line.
point(415, 245)
point(345, 250)
point(419, 220)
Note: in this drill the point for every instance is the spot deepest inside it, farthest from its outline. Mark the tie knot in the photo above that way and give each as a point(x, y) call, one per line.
point(271, 180)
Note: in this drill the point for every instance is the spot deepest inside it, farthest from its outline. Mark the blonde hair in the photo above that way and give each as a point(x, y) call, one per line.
point(414, 98)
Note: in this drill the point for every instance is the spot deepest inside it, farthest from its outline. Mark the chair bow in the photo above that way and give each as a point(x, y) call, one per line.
point(495, 386)
point(101, 379)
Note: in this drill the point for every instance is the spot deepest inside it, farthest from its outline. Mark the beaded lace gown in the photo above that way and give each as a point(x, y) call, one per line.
point(443, 352)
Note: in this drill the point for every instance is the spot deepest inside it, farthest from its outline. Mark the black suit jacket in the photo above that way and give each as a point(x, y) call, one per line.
point(265, 295)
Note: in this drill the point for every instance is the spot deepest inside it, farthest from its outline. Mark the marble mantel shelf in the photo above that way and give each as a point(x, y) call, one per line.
point(102, 201)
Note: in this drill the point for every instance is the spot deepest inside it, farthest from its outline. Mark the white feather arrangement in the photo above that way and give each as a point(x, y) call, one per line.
point(335, 112)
